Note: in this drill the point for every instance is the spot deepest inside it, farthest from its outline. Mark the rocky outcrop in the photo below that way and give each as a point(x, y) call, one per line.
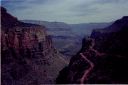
point(27, 54)
point(103, 58)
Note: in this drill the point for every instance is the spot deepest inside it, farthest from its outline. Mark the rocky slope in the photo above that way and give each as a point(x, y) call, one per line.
point(27, 53)
point(103, 58)
point(112, 38)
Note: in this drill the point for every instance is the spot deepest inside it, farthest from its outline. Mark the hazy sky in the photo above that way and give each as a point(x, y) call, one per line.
point(70, 11)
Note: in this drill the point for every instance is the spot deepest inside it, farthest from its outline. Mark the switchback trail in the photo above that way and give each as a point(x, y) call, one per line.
point(92, 49)
point(87, 71)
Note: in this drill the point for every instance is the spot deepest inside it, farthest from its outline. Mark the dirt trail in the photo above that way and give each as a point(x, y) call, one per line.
point(92, 49)
point(87, 71)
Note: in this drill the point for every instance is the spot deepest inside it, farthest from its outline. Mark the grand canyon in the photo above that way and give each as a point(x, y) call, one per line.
point(39, 52)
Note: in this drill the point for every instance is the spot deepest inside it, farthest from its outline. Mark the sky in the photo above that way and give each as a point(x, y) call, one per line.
point(69, 11)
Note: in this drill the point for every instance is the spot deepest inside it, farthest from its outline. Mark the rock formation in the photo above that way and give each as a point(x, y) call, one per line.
point(103, 58)
point(27, 54)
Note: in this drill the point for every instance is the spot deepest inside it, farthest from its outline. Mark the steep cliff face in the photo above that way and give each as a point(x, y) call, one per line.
point(27, 54)
point(102, 59)
point(113, 38)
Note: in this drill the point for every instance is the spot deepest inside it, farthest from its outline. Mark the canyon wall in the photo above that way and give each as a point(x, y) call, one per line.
point(27, 54)
point(103, 58)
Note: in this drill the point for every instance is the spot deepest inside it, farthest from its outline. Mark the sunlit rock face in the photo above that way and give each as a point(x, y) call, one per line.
point(103, 58)
point(27, 54)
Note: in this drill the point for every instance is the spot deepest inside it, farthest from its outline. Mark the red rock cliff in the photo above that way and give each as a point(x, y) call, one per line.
point(28, 57)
